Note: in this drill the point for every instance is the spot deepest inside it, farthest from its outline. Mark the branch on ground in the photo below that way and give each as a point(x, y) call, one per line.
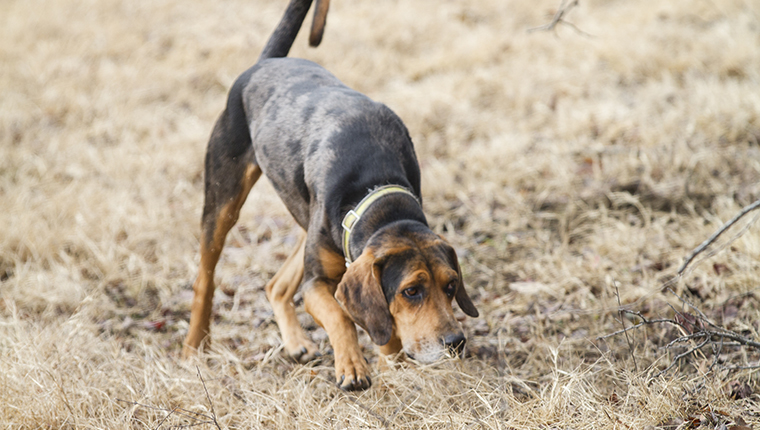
point(195, 418)
point(696, 329)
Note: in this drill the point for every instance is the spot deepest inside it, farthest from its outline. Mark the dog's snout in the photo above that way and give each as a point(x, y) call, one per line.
point(455, 343)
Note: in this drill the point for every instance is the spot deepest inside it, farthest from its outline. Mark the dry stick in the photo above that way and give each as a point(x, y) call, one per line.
point(747, 209)
point(404, 404)
point(702, 317)
point(356, 401)
point(211, 405)
point(187, 426)
point(564, 7)
point(180, 411)
point(715, 331)
point(633, 327)
point(722, 332)
point(558, 18)
point(682, 355)
point(701, 248)
point(700, 334)
point(713, 252)
point(716, 354)
point(165, 418)
point(622, 321)
point(703, 333)
point(756, 366)
point(687, 338)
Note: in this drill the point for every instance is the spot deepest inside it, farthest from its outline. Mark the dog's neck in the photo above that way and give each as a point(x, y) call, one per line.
point(389, 209)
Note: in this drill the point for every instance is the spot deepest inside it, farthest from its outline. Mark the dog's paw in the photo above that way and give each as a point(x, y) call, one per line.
point(302, 350)
point(188, 352)
point(352, 371)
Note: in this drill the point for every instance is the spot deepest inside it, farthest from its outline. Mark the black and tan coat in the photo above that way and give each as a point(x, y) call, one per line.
point(325, 147)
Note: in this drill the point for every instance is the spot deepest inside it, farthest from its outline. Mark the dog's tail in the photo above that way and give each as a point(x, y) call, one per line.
point(282, 38)
point(319, 21)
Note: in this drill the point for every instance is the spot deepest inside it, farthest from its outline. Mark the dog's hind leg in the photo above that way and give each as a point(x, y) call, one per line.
point(231, 172)
point(280, 291)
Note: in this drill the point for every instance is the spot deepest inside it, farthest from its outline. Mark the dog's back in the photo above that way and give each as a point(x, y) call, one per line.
point(321, 144)
point(307, 127)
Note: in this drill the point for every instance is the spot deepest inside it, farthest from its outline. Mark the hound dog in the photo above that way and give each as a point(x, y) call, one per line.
point(345, 167)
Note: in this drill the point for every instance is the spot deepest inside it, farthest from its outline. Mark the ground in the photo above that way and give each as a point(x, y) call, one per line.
point(573, 169)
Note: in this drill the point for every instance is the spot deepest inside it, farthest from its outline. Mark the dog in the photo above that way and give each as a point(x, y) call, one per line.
point(346, 169)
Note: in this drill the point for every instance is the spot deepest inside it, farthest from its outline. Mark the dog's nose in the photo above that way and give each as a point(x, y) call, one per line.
point(455, 343)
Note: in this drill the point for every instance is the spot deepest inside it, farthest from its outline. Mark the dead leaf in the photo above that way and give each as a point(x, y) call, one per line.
point(739, 390)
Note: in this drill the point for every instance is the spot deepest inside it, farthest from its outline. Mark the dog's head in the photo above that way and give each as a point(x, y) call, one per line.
point(404, 282)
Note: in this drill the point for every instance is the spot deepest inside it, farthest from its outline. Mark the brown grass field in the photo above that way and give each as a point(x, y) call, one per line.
point(573, 170)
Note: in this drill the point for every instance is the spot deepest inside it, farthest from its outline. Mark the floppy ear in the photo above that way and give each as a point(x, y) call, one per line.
point(463, 300)
point(361, 296)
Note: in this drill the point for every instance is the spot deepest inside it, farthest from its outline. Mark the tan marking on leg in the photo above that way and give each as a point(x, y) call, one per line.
point(280, 291)
point(351, 369)
point(203, 288)
point(333, 264)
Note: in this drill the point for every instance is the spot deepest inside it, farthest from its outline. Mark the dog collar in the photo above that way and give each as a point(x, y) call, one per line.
point(354, 215)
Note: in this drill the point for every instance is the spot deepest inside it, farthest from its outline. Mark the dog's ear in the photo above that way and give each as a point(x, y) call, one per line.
point(463, 300)
point(361, 296)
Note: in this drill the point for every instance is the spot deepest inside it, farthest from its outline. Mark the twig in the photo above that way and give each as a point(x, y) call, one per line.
point(687, 338)
point(356, 401)
point(722, 332)
point(558, 18)
point(404, 403)
point(697, 326)
point(753, 367)
point(698, 250)
point(645, 321)
point(179, 411)
point(210, 404)
point(682, 355)
point(625, 332)
point(187, 426)
point(713, 252)
point(165, 418)
point(693, 328)
point(716, 354)
point(564, 7)
point(702, 316)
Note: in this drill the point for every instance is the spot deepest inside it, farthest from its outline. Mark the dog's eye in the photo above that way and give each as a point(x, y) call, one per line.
point(450, 289)
point(411, 292)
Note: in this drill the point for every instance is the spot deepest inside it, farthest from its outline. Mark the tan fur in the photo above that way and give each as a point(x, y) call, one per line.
point(280, 291)
point(419, 328)
point(318, 24)
point(392, 347)
point(203, 287)
point(333, 264)
point(349, 362)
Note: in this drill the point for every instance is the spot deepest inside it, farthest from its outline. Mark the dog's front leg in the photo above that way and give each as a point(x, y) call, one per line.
point(280, 291)
point(351, 369)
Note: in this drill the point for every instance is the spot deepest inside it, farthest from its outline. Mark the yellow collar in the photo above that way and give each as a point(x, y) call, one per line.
point(354, 215)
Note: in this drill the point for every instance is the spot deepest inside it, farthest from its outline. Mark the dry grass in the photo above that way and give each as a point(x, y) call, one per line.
point(560, 165)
